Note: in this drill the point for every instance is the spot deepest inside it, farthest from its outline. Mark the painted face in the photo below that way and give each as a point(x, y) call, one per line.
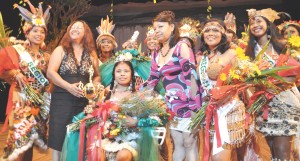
point(229, 36)
point(36, 35)
point(152, 43)
point(123, 74)
point(77, 31)
point(290, 31)
point(258, 26)
point(212, 36)
point(106, 45)
point(163, 31)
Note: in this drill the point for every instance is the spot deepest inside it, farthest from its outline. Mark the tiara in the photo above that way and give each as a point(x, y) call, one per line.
point(189, 28)
point(34, 17)
point(268, 13)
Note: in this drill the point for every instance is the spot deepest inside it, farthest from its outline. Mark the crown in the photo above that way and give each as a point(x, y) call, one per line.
point(230, 22)
point(268, 13)
point(104, 30)
point(285, 24)
point(34, 17)
point(189, 28)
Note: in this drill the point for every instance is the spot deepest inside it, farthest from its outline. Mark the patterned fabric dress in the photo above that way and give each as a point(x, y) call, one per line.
point(64, 105)
point(176, 79)
point(284, 108)
point(27, 122)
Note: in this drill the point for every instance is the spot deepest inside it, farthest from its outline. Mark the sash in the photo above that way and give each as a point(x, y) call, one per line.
point(205, 81)
point(24, 55)
point(265, 55)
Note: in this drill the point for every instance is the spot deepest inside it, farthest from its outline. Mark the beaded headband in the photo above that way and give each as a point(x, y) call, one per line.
point(213, 25)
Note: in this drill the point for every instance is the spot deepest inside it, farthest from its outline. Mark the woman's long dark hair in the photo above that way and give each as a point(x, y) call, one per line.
point(223, 45)
point(169, 16)
point(276, 40)
point(112, 84)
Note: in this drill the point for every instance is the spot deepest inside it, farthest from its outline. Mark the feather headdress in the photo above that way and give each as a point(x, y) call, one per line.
point(230, 22)
point(268, 13)
point(34, 17)
point(104, 30)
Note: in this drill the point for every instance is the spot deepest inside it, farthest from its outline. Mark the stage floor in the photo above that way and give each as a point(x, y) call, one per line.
point(37, 155)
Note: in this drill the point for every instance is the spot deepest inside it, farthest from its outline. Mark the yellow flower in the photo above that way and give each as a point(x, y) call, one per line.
point(241, 54)
point(233, 75)
point(223, 76)
point(294, 41)
point(115, 132)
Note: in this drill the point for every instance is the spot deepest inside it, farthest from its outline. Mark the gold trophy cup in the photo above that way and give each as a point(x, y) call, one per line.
point(91, 91)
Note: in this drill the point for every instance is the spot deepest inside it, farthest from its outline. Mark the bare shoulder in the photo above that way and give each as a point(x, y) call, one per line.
point(230, 53)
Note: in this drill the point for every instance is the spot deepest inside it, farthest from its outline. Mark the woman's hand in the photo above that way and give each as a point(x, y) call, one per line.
point(21, 79)
point(75, 90)
point(130, 122)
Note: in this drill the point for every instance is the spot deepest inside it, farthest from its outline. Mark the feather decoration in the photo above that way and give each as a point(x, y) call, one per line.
point(32, 8)
point(27, 15)
point(40, 10)
point(47, 14)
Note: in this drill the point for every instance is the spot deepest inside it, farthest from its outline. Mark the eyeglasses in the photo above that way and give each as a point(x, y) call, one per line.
point(76, 27)
point(105, 42)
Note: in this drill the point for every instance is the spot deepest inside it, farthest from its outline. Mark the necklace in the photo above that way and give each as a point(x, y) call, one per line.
point(164, 55)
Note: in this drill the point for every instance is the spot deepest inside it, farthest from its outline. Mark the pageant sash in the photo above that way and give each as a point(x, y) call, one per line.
point(24, 55)
point(205, 81)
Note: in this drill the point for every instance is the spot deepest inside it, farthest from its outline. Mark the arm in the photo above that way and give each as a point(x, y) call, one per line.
point(52, 73)
point(187, 64)
point(154, 75)
point(96, 76)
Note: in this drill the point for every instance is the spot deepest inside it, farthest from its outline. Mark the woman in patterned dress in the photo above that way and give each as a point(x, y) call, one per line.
point(174, 63)
point(68, 66)
point(284, 108)
point(24, 67)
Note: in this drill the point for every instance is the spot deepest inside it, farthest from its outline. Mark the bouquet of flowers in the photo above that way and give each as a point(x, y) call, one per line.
point(241, 75)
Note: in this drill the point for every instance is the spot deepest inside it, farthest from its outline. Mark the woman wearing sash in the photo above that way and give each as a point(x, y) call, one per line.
point(24, 67)
point(216, 55)
point(283, 111)
point(174, 63)
point(68, 66)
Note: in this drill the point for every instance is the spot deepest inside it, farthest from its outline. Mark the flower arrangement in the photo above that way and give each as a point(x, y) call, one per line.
point(148, 107)
point(242, 75)
point(241, 70)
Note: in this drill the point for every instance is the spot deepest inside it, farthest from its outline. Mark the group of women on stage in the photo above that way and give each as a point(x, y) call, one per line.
point(205, 84)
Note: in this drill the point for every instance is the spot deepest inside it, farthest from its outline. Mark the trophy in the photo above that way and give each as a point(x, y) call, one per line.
point(91, 91)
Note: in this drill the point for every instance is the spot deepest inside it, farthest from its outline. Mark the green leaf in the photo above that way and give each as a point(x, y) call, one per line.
point(275, 69)
point(259, 55)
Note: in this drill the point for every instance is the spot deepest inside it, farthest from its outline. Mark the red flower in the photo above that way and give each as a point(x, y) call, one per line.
point(172, 114)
